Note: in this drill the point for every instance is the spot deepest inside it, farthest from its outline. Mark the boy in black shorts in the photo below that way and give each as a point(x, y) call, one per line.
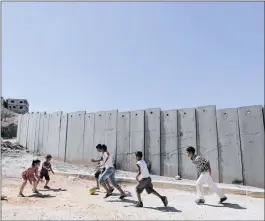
point(100, 170)
point(46, 167)
point(145, 182)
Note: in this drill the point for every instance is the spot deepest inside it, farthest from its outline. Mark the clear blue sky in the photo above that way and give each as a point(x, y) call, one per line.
point(127, 56)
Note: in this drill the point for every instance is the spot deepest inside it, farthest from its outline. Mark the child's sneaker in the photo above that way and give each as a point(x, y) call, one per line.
point(164, 200)
point(139, 204)
point(21, 195)
point(199, 201)
point(46, 187)
point(223, 199)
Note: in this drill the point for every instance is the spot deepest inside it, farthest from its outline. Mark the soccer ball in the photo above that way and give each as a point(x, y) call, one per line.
point(92, 190)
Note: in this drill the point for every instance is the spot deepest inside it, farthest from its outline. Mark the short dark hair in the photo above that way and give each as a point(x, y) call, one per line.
point(98, 146)
point(49, 156)
point(139, 154)
point(104, 147)
point(191, 149)
point(34, 162)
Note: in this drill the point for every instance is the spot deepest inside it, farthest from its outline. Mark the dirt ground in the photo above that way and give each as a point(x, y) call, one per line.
point(73, 202)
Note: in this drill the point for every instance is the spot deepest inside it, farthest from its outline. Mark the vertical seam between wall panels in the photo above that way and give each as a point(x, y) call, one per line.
point(66, 135)
point(198, 151)
point(240, 147)
point(58, 153)
point(218, 150)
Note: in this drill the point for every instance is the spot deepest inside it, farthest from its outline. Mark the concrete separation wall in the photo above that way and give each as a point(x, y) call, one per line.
point(123, 142)
point(169, 143)
point(75, 137)
point(187, 137)
point(136, 136)
point(230, 165)
point(231, 139)
point(152, 139)
point(207, 137)
point(252, 144)
point(89, 148)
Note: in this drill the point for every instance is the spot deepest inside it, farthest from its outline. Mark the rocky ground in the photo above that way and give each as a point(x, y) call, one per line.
point(69, 199)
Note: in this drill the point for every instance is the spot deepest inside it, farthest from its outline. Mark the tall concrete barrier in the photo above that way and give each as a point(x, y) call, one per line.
point(63, 136)
point(169, 143)
point(19, 119)
point(41, 130)
point(54, 134)
point(230, 164)
point(89, 148)
point(152, 139)
point(75, 137)
point(99, 131)
point(187, 137)
point(111, 133)
point(31, 132)
point(252, 143)
point(37, 131)
point(123, 142)
point(24, 131)
point(136, 136)
point(207, 137)
point(44, 147)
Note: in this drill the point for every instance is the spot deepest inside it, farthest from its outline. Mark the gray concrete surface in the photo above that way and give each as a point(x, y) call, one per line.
point(252, 144)
point(136, 135)
point(63, 134)
point(99, 132)
point(169, 143)
point(37, 131)
point(230, 164)
point(152, 139)
point(123, 141)
point(75, 137)
point(187, 137)
point(89, 148)
point(44, 147)
point(111, 133)
point(54, 133)
point(207, 137)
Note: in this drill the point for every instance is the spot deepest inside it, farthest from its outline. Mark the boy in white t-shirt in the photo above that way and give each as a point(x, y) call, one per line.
point(145, 182)
point(101, 170)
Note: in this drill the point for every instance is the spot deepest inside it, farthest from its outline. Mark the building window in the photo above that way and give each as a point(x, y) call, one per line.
point(12, 101)
point(21, 107)
point(21, 102)
point(14, 107)
point(25, 102)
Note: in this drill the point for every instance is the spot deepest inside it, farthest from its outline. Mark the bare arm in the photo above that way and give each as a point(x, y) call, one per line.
point(209, 165)
point(138, 172)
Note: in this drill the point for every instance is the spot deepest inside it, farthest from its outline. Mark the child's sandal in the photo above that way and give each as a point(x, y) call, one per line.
point(21, 195)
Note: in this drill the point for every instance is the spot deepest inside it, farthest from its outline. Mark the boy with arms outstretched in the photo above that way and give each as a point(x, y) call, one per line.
point(145, 182)
point(204, 169)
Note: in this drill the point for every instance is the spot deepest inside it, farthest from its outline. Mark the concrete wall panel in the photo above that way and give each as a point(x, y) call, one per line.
point(75, 137)
point(37, 131)
point(99, 131)
point(136, 136)
point(207, 137)
point(40, 134)
point(89, 148)
point(123, 142)
point(19, 119)
point(187, 137)
point(63, 134)
point(169, 143)
point(31, 132)
point(44, 147)
point(152, 139)
point(24, 134)
point(111, 133)
point(252, 143)
point(54, 134)
point(230, 165)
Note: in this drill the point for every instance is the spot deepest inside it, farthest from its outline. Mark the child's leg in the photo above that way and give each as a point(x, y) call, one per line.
point(97, 176)
point(102, 181)
point(214, 187)
point(199, 186)
point(108, 185)
point(22, 187)
point(47, 178)
point(116, 185)
point(139, 189)
point(34, 184)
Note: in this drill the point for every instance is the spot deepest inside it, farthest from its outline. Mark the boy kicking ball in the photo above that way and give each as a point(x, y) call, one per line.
point(145, 182)
point(204, 169)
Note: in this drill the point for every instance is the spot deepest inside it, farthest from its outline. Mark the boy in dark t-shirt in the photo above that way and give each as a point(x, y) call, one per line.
point(46, 167)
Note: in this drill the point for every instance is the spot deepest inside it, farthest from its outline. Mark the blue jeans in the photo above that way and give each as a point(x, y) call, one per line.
point(109, 173)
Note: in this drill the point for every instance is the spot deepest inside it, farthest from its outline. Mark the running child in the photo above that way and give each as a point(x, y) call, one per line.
point(99, 170)
point(204, 169)
point(46, 167)
point(109, 173)
point(145, 181)
point(31, 175)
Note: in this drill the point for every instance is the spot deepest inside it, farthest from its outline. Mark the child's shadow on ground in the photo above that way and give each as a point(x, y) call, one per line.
point(162, 209)
point(227, 205)
point(39, 195)
point(54, 190)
